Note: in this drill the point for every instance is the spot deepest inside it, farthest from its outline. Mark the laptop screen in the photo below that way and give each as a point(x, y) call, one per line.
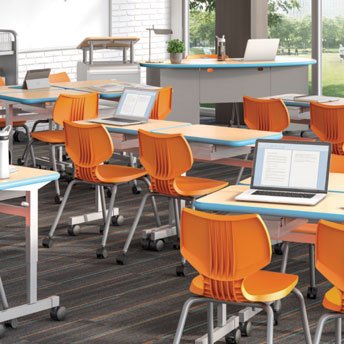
point(291, 166)
point(136, 103)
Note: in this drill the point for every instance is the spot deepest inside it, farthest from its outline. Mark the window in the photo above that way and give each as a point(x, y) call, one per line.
point(333, 47)
point(202, 27)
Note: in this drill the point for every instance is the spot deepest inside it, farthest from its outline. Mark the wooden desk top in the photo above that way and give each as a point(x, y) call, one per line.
point(335, 182)
point(27, 176)
point(224, 200)
point(226, 136)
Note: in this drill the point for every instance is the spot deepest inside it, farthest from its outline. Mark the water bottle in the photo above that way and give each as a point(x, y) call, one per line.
point(221, 48)
point(4, 154)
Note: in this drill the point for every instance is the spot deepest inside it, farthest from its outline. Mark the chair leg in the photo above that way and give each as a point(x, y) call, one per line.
point(270, 323)
point(241, 171)
point(338, 331)
point(48, 241)
point(210, 322)
point(176, 216)
point(181, 324)
point(3, 296)
point(278, 303)
point(57, 185)
point(28, 151)
point(320, 328)
point(122, 258)
point(304, 317)
point(101, 252)
point(155, 208)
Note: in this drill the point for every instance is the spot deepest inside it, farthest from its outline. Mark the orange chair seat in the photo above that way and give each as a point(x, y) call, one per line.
point(262, 286)
point(307, 228)
point(50, 136)
point(192, 186)
point(334, 300)
point(298, 138)
point(118, 174)
point(15, 123)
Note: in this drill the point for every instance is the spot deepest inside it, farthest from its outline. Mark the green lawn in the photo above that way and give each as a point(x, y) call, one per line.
point(333, 75)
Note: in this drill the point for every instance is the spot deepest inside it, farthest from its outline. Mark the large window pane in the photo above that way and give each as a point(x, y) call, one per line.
point(202, 27)
point(333, 47)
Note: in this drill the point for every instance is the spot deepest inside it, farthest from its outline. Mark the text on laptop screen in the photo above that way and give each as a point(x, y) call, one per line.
point(136, 103)
point(291, 166)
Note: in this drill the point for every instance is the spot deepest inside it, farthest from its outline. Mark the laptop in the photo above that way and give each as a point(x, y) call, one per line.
point(134, 107)
point(36, 78)
point(260, 50)
point(291, 172)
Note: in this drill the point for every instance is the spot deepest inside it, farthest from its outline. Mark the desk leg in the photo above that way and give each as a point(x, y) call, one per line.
point(9, 121)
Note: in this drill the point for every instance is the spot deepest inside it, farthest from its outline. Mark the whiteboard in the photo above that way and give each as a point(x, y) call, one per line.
point(44, 24)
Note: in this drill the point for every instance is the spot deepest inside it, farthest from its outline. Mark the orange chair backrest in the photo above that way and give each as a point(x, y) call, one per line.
point(224, 249)
point(165, 157)
point(265, 114)
point(330, 252)
point(337, 163)
point(2, 81)
point(201, 56)
point(59, 77)
point(327, 122)
point(163, 104)
point(88, 145)
point(70, 108)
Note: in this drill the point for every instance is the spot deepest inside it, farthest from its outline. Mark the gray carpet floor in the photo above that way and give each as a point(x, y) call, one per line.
point(136, 303)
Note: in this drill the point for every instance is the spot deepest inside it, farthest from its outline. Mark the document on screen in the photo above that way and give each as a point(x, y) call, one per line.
point(135, 105)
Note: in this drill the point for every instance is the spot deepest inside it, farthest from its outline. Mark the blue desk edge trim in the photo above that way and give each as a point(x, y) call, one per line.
point(29, 181)
point(27, 101)
point(226, 66)
point(267, 211)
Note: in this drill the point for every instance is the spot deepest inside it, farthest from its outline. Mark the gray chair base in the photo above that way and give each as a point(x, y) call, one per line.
point(338, 318)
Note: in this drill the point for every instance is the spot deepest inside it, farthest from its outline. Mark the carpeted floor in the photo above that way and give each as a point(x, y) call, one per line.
point(136, 303)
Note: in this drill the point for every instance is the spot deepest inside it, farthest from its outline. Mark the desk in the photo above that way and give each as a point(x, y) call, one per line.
point(29, 181)
point(209, 81)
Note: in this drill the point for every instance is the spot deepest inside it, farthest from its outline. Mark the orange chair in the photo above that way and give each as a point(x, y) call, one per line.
point(220, 248)
point(201, 56)
point(306, 234)
point(327, 122)
point(89, 146)
point(59, 77)
point(330, 262)
point(166, 157)
point(67, 108)
point(163, 104)
point(16, 124)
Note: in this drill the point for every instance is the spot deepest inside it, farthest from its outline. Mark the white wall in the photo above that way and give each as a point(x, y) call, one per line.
point(129, 18)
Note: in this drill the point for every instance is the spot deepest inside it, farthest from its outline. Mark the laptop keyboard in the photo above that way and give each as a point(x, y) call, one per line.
point(283, 194)
point(121, 120)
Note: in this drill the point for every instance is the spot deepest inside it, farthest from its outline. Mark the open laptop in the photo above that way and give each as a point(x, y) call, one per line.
point(36, 78)
point(135, 106)
point(260, 50)
point(292, 172)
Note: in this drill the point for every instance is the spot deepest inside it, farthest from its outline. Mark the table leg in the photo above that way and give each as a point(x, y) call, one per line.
point(9, 121)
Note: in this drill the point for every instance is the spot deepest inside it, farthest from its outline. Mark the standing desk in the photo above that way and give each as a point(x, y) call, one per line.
point(29, 181)
point(199, 81)
point(290, 216)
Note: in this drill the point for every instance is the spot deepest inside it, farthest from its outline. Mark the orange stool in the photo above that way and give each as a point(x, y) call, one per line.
point(166, 157)
point(330, 262)
point(67, 108)
point(89, 145)
point(220, 248)
point(327, 122)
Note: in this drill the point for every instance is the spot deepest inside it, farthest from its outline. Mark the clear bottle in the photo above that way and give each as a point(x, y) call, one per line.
point(221, 48)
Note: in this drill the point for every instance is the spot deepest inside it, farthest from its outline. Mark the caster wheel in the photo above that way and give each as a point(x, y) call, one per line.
point(312, 293)
point(58, 313)
point(15, 136)
point(158, 245)
point(278, 249)
point(181, 271)
point(117, 220)
point(102, 253)
point(11, 323)
point(2, 330)
point(136, 189)
point(20, 162)
point(276, 317)
point(47, 242)
point(58, 199)
point(122, 259)
point(101, 229)
point(108, 193)
point(39, 167)
point(176, 246)
point(145, 244)
point(233, 337)
point(19, 136)
point(74, 230)
point(246, 328)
